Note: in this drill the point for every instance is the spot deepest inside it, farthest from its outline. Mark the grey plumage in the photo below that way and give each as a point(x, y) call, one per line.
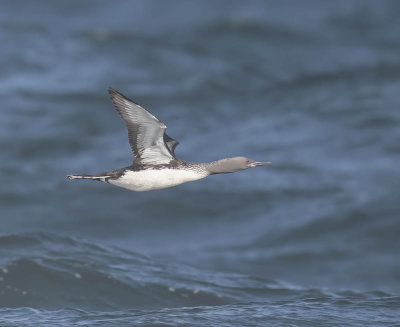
point(231, 165)
point(149, 142)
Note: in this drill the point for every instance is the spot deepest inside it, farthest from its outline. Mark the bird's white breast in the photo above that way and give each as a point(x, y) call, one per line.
point(149, 179)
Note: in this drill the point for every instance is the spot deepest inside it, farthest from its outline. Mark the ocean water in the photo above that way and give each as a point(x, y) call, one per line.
point(311, 240)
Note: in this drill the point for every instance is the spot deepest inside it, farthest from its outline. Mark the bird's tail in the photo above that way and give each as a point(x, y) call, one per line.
point(93, 177)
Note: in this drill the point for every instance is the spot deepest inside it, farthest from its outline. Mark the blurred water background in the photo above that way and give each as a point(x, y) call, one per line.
point(312, 240)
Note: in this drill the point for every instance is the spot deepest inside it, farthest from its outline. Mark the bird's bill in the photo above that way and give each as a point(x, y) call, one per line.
point(260, 163)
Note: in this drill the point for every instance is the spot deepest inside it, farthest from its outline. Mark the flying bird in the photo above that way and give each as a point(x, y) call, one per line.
point(155, 165)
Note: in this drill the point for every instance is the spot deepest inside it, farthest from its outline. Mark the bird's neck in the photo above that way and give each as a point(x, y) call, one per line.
point(222, 166)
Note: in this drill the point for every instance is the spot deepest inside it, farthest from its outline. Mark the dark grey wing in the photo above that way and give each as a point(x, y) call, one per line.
point(171, 143)
point(146, 133)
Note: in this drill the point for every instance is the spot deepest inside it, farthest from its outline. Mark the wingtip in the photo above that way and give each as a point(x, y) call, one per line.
point(117, 98)
point(115, 95)
point(111, 90)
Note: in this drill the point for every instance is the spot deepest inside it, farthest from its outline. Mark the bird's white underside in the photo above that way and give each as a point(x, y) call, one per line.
point(146, 180)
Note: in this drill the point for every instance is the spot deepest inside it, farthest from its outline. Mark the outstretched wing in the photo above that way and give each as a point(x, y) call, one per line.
point(146, 133)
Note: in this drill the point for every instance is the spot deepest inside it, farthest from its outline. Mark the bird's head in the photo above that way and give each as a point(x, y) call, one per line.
point(231, 165)
point(245, 163)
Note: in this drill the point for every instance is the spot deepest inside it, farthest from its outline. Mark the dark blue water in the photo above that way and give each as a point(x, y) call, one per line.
point(312, 240)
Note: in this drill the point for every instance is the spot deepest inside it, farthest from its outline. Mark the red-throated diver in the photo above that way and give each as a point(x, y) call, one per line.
point(155, 165)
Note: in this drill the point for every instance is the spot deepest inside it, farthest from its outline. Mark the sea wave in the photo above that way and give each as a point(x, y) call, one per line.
point(42, 270)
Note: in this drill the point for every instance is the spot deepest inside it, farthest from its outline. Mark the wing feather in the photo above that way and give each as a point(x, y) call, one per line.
point(146, 133)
